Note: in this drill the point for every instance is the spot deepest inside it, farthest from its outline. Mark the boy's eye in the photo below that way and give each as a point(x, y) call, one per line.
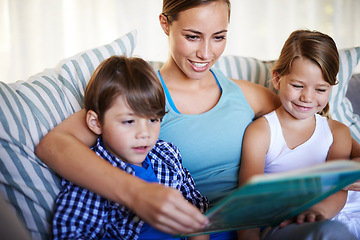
point(128, 121)
point(153, 120)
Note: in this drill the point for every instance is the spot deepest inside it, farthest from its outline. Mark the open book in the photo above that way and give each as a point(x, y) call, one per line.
point(267, 200)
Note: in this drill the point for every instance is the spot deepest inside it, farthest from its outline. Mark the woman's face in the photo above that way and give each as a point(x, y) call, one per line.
point(198, 38)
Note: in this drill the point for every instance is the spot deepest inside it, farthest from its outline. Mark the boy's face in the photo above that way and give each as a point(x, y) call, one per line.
point(126, 135)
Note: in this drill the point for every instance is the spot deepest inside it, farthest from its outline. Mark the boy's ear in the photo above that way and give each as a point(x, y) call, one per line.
point(92, 121)
point(276, 80)
point(164, 23)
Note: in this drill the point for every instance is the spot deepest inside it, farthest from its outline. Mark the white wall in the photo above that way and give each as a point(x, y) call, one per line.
point(37, 34)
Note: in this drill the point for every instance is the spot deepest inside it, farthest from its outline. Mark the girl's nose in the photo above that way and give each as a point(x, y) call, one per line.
point(306, 95)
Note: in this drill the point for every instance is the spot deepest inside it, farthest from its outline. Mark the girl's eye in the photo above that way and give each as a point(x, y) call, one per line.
point(321, 90)
point(296, 86)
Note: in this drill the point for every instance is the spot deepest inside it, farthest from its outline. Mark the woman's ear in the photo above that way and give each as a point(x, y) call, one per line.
point(164, 23)
point(93, 123)
point(276, 80)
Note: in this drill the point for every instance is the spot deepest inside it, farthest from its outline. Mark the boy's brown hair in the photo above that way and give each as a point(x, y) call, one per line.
point(132, 78)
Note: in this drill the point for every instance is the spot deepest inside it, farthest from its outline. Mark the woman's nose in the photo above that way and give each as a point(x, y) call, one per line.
point(204, 50)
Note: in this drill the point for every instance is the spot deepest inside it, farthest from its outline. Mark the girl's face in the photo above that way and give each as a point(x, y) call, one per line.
point(303, 92)
point(198, 38)
point(126, 135)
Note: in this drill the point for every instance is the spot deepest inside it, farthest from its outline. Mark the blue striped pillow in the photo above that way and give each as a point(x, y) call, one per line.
point(340, 106)
point(257, 71)
point(28, 110)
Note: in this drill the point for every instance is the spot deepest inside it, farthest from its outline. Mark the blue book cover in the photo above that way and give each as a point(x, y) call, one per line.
point(267, 200)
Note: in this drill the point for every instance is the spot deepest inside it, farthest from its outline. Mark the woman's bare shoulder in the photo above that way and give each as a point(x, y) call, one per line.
point(261, 99)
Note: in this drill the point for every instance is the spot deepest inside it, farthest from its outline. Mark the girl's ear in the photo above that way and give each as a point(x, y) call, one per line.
point(93, 123)
point(276, 80)
point(164, 23)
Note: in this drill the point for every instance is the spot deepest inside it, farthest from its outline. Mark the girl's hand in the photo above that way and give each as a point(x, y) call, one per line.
point(356, 185)
point(309, 215)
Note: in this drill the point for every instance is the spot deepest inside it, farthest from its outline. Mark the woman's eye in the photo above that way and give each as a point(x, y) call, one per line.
point(219, 38)
point(191, 37)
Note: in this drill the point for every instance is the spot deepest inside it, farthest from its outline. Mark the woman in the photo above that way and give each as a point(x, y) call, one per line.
point(207, 112)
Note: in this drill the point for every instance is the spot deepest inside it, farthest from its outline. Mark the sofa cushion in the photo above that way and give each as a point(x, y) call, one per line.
point(258, 71)
point(28, 110)
point(353, 93)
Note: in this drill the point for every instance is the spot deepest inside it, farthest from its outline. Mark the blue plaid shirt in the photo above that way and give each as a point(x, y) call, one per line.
point(82, 214)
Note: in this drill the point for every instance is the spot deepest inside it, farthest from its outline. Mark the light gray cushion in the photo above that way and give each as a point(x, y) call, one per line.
point(353, 93)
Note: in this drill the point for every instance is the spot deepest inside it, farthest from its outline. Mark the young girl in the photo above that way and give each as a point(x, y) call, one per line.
point(295, 135)
point(124, 104)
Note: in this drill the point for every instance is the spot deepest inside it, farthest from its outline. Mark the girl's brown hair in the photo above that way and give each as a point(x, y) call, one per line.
point(172, 8)
point(134, 79)
point(314, 46)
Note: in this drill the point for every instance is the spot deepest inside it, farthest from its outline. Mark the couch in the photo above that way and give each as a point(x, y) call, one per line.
point(31, 108)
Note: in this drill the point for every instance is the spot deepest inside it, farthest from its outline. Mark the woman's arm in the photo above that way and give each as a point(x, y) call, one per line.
point(66, 150)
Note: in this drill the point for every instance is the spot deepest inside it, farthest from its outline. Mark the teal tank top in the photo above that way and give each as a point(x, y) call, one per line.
point(210, 143)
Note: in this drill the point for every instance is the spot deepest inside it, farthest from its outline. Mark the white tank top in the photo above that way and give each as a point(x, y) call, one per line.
point(280, 158)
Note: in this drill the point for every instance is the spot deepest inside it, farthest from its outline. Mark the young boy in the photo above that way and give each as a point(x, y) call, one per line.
point(125, 103)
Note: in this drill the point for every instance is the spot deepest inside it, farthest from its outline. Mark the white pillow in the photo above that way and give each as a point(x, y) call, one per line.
point(28, 110)
point(257, 71)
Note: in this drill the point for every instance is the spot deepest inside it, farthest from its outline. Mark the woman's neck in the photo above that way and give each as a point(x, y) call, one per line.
point(190, 96)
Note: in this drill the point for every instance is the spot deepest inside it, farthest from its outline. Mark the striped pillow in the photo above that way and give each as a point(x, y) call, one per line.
point(28, 110)
point(340, 106)
point(258, 71)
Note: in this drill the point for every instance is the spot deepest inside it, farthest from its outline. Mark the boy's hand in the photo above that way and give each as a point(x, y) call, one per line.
point(167, 210)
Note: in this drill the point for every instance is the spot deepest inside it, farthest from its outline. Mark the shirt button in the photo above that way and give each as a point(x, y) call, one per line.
point(102, 231)
point(136, 219)
point(128, 169)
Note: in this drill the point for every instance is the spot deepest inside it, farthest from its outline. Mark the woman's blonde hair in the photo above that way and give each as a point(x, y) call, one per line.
point(314, 46)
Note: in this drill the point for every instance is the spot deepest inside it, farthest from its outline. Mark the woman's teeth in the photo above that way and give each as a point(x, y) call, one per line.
point(199, 65)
